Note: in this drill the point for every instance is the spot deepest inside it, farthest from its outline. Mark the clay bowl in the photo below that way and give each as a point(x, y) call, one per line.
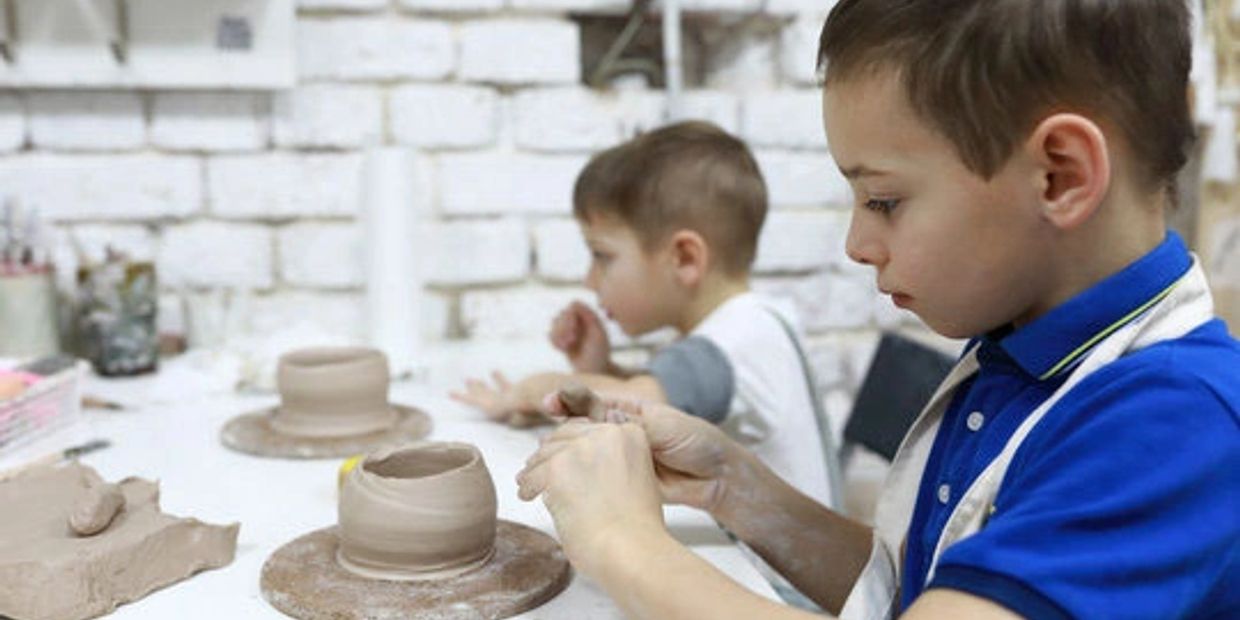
point(333, 392)
point(419, 512)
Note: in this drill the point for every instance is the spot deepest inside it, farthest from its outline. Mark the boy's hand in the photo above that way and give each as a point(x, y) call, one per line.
point(501, 402)
point(579, 333)
point(693, 459)
point(598, 483)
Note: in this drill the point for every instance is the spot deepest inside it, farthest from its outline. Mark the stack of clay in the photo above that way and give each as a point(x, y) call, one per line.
point(73, 546)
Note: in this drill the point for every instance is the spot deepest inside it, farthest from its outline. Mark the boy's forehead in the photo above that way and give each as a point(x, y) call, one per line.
point(871, 126)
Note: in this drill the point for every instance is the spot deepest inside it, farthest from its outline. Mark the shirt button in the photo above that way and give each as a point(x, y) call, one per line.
point(945, 493)
point(975, 421)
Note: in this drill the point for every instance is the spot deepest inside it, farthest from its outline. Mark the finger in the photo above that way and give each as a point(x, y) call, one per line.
point(545, 453)
point(572, 429)
point(531, 482)
point(500, 380)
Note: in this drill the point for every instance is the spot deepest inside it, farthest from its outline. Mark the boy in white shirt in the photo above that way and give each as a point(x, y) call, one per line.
point(672, 219)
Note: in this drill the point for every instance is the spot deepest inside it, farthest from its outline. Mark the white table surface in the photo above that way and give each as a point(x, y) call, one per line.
point(177, 443)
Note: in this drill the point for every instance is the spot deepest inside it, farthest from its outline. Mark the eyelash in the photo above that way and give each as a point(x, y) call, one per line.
point(882, 205)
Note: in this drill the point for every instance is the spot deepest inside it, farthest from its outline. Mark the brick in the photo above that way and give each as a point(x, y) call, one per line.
point(215, 254)
point(342, 5)
point(565, 119)
point(114, 187)
point(210, 121)
point(1222, 248)
point(562, 255)
point(798, 49)
point(444, 116)
point(803, 179)
point(743, 60)
point(521, 312)
point(549, 51)
point(476, 252)
point(369, 48)
point(282, 185)
point(820, 8)
point(12, 123)
point(801, 241)
point(784, 119)
point(328, 116)
point(320, 254)
point(597, 6)
point(579, 119)
point(497, 183)
point(86, 121)
point(452, 6)
point(828, 300)
point(720, 108)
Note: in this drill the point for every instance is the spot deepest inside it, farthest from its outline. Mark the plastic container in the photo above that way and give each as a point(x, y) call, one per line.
point(50, 404)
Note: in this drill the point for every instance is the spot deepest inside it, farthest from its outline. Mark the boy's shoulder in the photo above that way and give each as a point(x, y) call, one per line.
point(1188, 385)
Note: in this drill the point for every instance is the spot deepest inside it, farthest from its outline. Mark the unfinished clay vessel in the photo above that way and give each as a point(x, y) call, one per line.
point(333, 392)
point(418, 512)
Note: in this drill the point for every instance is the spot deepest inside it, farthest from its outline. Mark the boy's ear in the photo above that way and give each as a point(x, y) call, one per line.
point(690, 256)
point(1074, 168)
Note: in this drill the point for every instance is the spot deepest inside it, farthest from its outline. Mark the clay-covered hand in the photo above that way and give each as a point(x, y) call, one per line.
point(501, 401)
point(598, 483)
point(693, 458)
point(578, 332)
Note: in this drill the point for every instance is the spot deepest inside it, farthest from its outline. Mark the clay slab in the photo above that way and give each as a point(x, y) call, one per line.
point(49, 573)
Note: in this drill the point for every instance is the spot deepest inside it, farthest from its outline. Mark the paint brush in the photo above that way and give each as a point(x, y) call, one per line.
point(68, 454)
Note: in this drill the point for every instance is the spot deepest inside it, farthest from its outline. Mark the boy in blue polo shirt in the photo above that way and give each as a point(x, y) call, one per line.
point(1012, 162)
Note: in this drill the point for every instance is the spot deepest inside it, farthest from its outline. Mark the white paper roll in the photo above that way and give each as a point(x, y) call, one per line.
point(394, 205)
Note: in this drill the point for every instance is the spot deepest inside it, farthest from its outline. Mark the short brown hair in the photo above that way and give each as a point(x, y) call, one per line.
point(984, 72)
point(689, 175)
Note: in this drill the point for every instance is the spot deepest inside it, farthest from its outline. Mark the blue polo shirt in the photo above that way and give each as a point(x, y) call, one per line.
point(1124, 501)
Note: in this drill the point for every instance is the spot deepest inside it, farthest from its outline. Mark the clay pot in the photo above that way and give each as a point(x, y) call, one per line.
point(419, 512)
point(333, 392)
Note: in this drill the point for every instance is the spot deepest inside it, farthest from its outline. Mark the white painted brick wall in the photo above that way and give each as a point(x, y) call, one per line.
point(216, 254)
point(210, 121)
point(86, 121)
point(320, 254)
point(549, 51)
point(282, 185)
point(784, 119)
point(828, 301)
point(100, 187)
point(482, 184)
point(798, 49)
point(580, 119)
point(720, 108)
point(523, 312)
point(476, 252)
point(562, 255)
point(343, 5)
point(452, 5)
point(803, 179)
point(444, 116)
point(327, 116)
point(12, 123)
point(601, 6)
point(801, 241)
point(360, 48)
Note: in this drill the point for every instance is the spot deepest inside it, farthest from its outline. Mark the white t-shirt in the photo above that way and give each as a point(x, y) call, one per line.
point(740, 369)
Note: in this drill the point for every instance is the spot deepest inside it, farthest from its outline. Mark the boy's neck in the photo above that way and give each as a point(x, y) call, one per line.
point(1126, 228)
point(713, 293)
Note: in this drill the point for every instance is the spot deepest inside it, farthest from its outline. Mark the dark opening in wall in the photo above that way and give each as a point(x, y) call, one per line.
point(630, 46)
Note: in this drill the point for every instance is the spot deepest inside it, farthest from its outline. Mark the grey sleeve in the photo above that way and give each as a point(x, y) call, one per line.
point(697, 378)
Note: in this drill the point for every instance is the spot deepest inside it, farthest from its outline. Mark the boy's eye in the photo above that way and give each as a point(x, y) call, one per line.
point(882, 205)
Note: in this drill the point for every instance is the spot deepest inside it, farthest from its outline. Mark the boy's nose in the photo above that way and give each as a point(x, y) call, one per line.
point(863, 244)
